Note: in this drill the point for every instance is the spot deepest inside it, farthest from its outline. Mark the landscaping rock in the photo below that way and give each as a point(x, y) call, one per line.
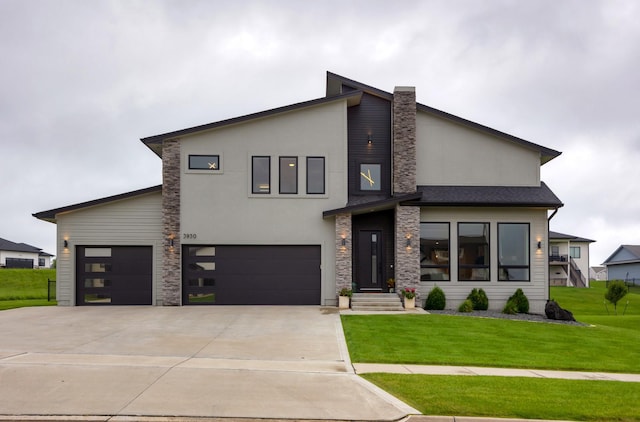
point(553, 311)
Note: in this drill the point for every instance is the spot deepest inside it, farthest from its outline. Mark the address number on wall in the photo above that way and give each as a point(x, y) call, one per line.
point(189, 236)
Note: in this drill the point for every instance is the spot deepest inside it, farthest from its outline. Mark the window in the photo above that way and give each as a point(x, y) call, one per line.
point(434, 251)
point(204, 162)
point(513, 252)
point(574, 251)
point(370, 177)
point(261, 175)
point(288, 174)
point(315, 175)
point(473, 251)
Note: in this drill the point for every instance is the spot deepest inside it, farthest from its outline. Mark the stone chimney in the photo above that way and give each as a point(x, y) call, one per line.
point(404, 140)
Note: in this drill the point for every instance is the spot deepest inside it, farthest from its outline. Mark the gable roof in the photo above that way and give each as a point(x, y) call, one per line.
point(633, 250)
point(7, 245)
point(487, 196)
point(50, 215)
point(155, 142)
point(336, 82)
point(561, 236)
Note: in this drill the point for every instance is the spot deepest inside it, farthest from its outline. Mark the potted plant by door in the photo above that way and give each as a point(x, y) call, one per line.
point(344, 297)
point(391, 284)
point(409, 295)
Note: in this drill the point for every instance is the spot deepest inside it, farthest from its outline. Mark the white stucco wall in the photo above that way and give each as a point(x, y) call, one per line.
point(498, 292)
point(135, 221)
point(452, 154)
point(219, 208)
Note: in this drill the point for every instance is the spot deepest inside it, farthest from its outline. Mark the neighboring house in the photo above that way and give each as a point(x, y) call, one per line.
point(598, 273)
point(568, 260)
point(290, 205)
point(624, 264)
point(21, 255)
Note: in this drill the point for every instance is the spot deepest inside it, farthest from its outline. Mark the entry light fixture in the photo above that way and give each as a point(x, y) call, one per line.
point(170, 242)
point(539, 244)
point(408, 242)
point(66, 243)
point(343, 242)
point(369, 141)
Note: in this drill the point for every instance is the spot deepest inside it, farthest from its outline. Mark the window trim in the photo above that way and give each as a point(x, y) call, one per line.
point(447, 267)
point(253, 175)
point(528, 243)
point(486, 266)
point(280, 178)
point(324, 175)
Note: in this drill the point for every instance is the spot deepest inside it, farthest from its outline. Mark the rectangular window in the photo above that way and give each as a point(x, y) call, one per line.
point(204, 162)
point(370, 175)
point(434, 251)
point(315, 175)
point(261, 175)
point(574, 251)
point(473, 251)
point(288, 174)
point(513, 252)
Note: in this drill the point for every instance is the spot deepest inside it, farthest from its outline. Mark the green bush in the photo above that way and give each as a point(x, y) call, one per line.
point(346, 292)
point(466, 306)
point(510, 307)
point(521, 301)
point(479, 299)
point(616, 290)
point(436, 299)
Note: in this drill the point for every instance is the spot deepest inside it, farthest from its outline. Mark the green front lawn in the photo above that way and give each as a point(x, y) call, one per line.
point(610, 343)
point(514, 397)
point(25, 287)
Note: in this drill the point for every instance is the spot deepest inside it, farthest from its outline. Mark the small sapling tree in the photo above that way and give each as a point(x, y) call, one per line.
point(617, 290)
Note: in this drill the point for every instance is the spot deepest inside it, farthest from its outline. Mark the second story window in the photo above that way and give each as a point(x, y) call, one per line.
point(574, 251)
point(315, 175)
point(288, 174)
point(261, 174)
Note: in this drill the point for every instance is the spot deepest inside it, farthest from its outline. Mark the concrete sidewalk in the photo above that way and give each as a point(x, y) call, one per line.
point(363, 368)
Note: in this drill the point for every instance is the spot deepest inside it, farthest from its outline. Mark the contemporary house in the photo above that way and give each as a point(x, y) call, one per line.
point(624, 264)
point(568, 260)
point(21, 255)
point(290, 205)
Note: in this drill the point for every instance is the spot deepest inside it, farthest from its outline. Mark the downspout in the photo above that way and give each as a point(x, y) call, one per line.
point(555, 211)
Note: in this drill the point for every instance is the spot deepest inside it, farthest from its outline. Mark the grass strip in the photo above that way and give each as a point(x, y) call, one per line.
point(514, 397)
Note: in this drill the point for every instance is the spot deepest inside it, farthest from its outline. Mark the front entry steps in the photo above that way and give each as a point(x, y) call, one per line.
point(383, 302)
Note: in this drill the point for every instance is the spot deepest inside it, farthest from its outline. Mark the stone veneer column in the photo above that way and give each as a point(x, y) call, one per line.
point(404, 139)
point(171, 275)
point(407, 269)
point(343, 253)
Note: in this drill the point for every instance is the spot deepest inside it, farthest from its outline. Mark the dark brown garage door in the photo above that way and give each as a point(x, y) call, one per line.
point(251, 275)
point(113, 275)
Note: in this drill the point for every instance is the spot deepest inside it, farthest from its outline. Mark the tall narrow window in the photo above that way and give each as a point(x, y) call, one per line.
point(315, 175)
point(473, 251)
point(513, 251)
point(288, 174)
point(370, 177)
point(434, 251)
point(261, 174)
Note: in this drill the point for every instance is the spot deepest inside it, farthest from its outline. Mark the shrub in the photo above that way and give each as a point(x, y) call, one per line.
point(479, 299)
point(521, 301)
point(435, 300)
point(346, 292)
point(466, 306)
point(616, 290)
point(510, 307)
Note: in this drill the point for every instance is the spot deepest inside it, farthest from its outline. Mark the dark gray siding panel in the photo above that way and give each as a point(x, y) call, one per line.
point(371, 117)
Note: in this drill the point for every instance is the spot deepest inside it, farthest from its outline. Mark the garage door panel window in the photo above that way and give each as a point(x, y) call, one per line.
point(202, 266)
point(201, 298)
point(201, 250)
point(97, 298)
point(97, 267)
point(97, 252)
point(201, 282)
point(96, 283)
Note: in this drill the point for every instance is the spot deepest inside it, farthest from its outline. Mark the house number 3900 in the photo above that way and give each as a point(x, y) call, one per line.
point(189, 236)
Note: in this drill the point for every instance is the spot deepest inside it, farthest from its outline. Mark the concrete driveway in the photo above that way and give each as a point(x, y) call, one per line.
point(234, 361)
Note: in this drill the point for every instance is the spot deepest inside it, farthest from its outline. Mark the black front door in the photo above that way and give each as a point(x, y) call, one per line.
point(370, 261)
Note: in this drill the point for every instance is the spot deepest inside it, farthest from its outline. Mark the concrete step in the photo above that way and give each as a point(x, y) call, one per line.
point(379, 302)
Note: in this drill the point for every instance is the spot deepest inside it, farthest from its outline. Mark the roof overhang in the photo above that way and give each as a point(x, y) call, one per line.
point(50, 215)
point(372, 206)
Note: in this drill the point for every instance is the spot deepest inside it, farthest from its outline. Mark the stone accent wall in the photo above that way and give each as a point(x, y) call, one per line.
point(344, 274)
point(404, 140)
point(407, 268)
point(170, 290)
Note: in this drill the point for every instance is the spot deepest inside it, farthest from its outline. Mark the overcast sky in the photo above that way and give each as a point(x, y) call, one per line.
point(82, 81)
